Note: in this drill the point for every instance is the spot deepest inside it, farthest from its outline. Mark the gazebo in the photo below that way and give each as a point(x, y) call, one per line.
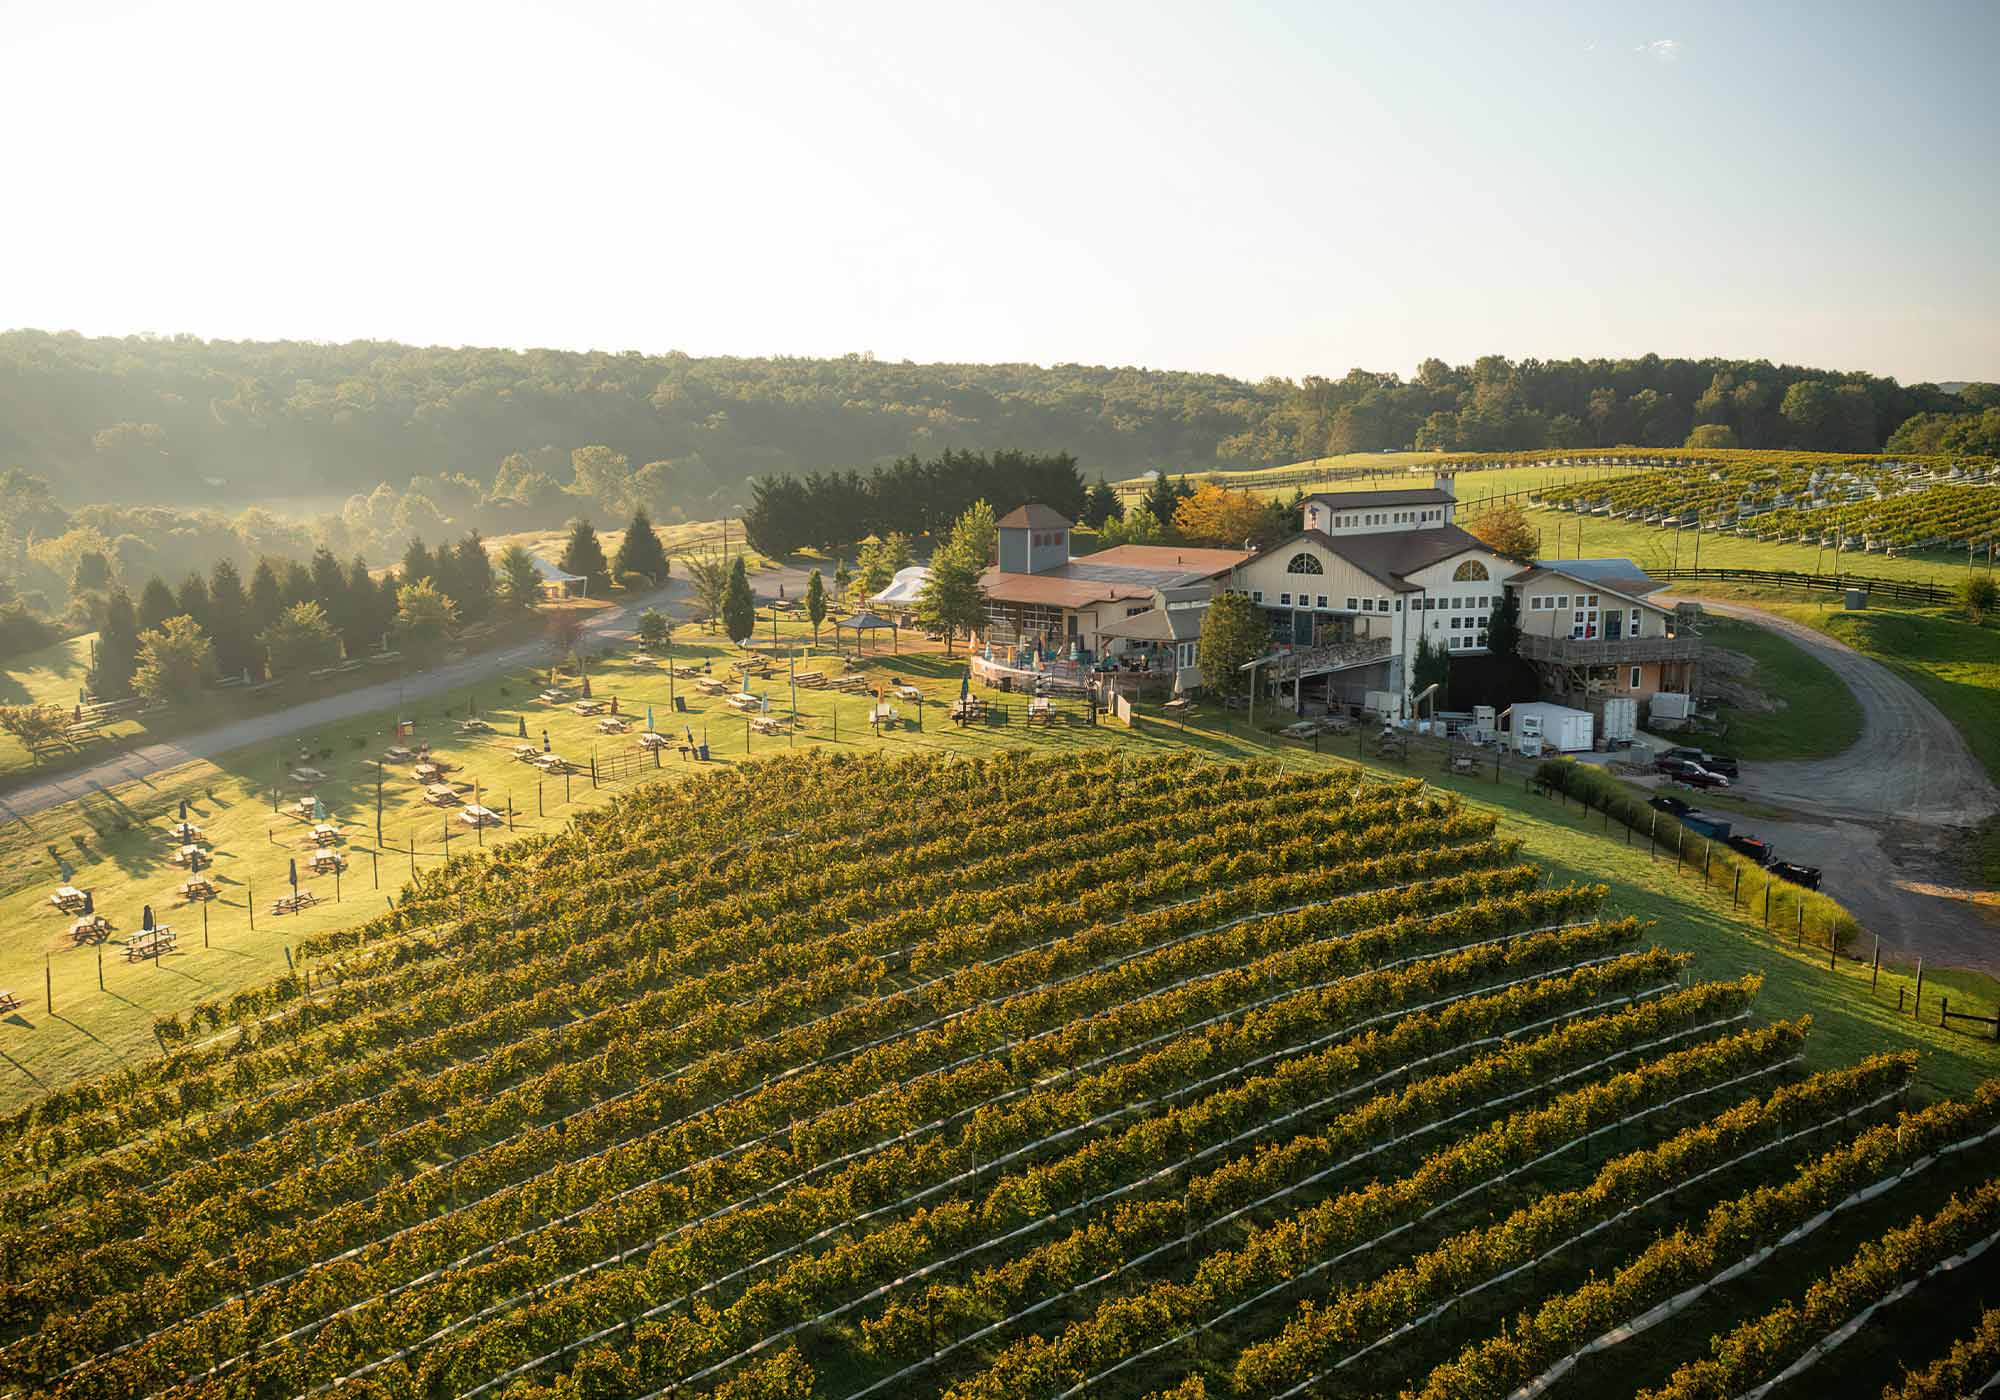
point(865, 622)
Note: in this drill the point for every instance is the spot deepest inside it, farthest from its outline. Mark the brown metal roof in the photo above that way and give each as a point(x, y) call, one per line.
point(1389, 556)
point(1054, 589)
point(1165, 559)
point(1033, 516)
point(1369, 500)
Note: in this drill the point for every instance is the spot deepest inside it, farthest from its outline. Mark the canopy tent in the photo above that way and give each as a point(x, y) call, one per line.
point(904, 589)
point(866, 622)
point(557, 582)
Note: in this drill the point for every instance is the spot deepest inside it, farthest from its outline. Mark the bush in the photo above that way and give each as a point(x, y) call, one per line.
point(1825, 918)
point(1980, 595)
point(21, 631)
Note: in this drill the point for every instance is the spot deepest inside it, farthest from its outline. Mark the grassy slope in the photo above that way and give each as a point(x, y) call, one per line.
point(94, 1029)
point(1821, 716)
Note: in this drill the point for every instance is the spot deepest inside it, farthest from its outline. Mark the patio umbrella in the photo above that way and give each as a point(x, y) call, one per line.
point(294, 874)
point(89, 903)
point(184, 809)
point(586, 687)
point(146, 918)
point(965, 684)
point(649, 719)
point(524, 726)
point(545, 741)
point(319, 809)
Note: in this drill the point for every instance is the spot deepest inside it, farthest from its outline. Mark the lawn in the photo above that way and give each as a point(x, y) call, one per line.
point(1820, 716)
point(118, 846)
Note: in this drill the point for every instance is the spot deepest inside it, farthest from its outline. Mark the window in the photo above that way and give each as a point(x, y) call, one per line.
point(1471, 571)
point(1302, 563)
point(1562, 601)
point(1321, 602)
point(1353, 606)
point(1382, 605)
point(1312, 518)
point(1368, 605)
point(1591, 601)
point(1635, 679)
point(1285, 601)
point(1257, 595)
point(1454, 624)
point(1399, 605)
point(1635, 622)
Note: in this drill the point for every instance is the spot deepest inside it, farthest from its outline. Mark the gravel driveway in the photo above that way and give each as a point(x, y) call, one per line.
point(1878, 817)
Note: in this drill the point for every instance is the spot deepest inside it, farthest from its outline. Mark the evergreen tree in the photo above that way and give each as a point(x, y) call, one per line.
point(330, 590)
point(229, 620)
point(192, 600)
point(1233, 632)
point(417, 563)
point(371, 610)
point(640, 551)
point(117, 652)
point(472, 577)
point(739, 610)
point(91, 574)
point(1503, 628)
point(1100, 505)
point(267, 596)
point(156, 604)
point(1164, 497)
point(298, 586)
point(520, 584)
point(1432, 667)
point(816, 602)
point(584, 555)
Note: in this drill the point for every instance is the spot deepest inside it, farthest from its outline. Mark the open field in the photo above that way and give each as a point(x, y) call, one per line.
point(864, 1073)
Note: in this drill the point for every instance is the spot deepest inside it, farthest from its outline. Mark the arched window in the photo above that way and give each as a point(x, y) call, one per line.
point(1471, 571)
point(1303, 563)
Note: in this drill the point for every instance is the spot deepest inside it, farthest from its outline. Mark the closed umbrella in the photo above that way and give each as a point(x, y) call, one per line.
point(649, 719)
point(184, 809)
point(89, 903)
point(965, 685)
point(294, 874)
point(524, 726)
point(319, 809)
point(146, 918)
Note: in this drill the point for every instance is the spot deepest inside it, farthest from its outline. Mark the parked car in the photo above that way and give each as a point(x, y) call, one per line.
point(1673, 806)
point(1751, 848)
point(1714, 762)
point(1693, 774)
point(1807, 875)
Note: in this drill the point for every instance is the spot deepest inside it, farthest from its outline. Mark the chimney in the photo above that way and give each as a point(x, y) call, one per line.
point(1447, 483)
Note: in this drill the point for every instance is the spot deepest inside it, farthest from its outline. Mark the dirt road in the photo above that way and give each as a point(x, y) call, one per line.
point(1880, 817)
point(153, 758)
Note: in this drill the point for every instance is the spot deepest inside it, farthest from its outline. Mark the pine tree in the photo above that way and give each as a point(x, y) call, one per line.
point(1233, 632)
point(156, 604)
point(583, 554)
point(191, 600)
point(298, 584)
point(472, 576)
point(640, 552)
point(816, 602)
point(417, 563)
point(1163, 498)
point(952, 600)
point(371, 610)
point(117, 651)
point(1432, 666)
point(739, 610)
point(520, 583)
point(330, 589)
point(229, 620)
point(1101, 504)
point(267, 596)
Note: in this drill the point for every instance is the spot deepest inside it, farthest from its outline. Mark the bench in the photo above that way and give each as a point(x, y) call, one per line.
point(293, 903)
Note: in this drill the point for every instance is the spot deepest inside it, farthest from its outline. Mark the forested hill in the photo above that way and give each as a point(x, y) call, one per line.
point(187, 421)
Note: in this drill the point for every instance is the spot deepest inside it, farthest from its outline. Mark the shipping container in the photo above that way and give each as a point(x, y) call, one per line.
point(1621, 720)
point(1557, 727)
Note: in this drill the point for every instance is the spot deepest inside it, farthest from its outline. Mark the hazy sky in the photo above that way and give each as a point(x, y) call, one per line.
point(1288, 189)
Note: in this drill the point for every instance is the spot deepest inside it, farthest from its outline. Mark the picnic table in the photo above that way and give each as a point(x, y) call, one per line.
point(525, 752)
point(711, 685)
point(441, 795)
point(552, 763)
point(477, 816)
point(69, 899)
point(553, 696)
point(8, 1001)
point(326, 860)
point(744, 702)
point(305, 806)
point(1302, 729)
point(398, 754)
point(849, 684)
point(908, 692)
point(197, 888)
point(325, 833)
point(612, 724)
point(293, 903)
point(307, 775)
point(1179, 705)
point(91, 928)
point(651, 740)
point(474, 726)
point(768, 724)
point(882, 713)
point(588, 707)
point(429, 772)
point(150, 942)
point(193, 857)
point(968, 707)
point(184, 831)
point(1041, 712)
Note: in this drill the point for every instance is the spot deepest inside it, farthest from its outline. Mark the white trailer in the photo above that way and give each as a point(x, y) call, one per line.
point(1669, 709)
point(1621, 720)
point(1551, 727)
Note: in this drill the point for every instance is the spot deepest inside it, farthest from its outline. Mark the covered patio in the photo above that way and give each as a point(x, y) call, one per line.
point(862, 623)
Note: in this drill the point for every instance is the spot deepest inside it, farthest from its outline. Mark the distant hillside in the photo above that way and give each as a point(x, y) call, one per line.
point(190, 422)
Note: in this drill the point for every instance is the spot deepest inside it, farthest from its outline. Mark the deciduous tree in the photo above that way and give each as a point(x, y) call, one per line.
point(952, 600)
point(1504, 530)
point(36, 726)
point(301, 640)
point(424, 615)
point(1222, 519)
point(176, 660)
point(656, 630)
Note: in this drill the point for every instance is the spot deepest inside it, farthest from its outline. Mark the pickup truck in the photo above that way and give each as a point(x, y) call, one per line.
point(1751, 848)
point(1693, 774)
point(1714, 762)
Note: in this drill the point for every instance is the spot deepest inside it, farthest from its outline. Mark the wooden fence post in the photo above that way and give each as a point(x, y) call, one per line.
point(1875, 971)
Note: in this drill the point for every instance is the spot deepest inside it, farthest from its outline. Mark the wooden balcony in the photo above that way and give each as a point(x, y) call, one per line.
point(1336, 656)
point(1599, 651)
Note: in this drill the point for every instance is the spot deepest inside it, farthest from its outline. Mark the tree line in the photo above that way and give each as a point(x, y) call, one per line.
point(910, 496)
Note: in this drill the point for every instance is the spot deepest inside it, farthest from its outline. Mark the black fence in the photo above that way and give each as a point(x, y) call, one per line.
point(1900, 590)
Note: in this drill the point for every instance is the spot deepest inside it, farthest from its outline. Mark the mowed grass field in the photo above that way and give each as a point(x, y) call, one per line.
point(1819, 716)
point(117, 845)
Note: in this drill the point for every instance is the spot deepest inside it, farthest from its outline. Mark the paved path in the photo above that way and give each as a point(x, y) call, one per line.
point(1879, 817)
point(153, 758)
